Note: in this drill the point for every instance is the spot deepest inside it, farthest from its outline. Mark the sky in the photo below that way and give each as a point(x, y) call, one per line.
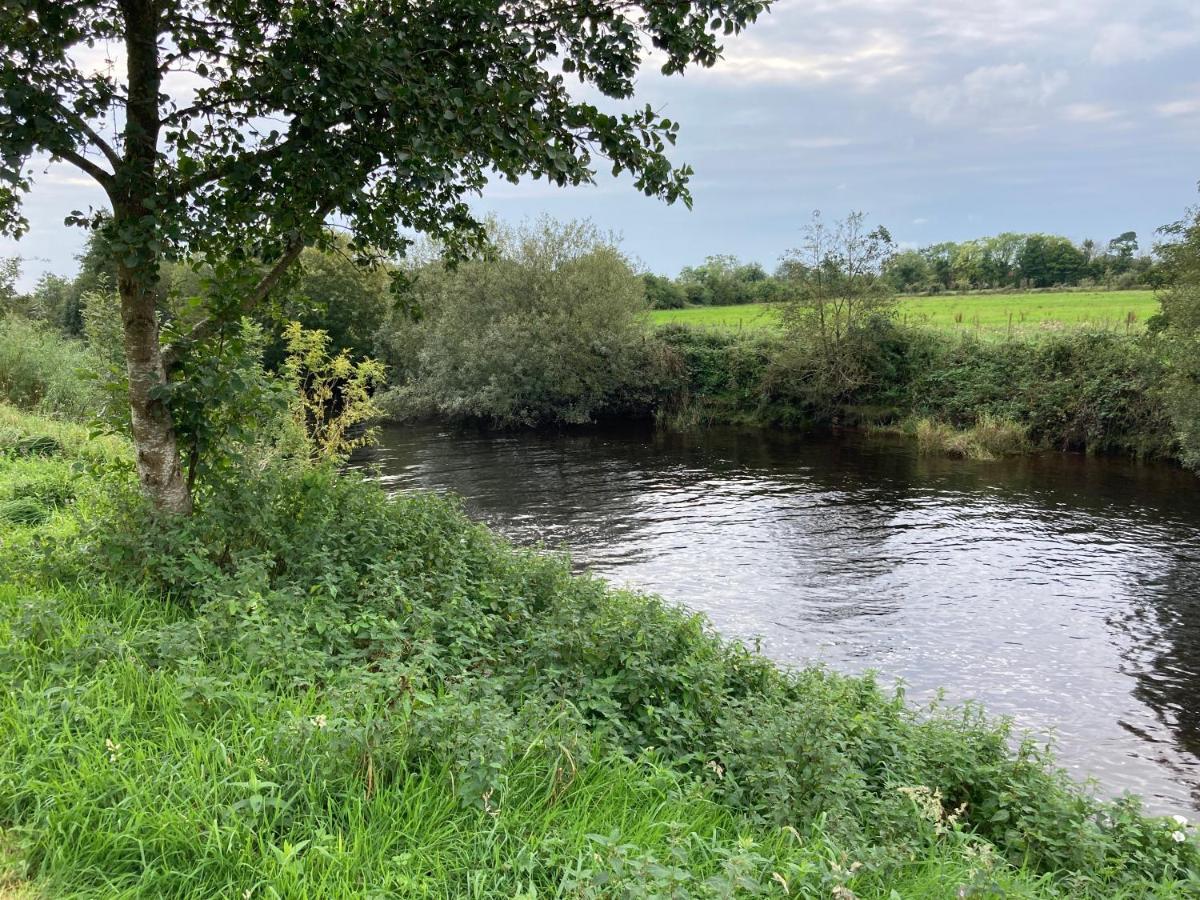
point(941, 119)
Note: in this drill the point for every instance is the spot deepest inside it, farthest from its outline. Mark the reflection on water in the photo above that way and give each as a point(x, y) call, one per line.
point(1059, 590)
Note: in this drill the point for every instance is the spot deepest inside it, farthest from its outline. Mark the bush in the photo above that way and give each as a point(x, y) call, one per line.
point(1181, 315)
point(43, 372)
point(544, 333)
point(663, 293)
point(1077, 391)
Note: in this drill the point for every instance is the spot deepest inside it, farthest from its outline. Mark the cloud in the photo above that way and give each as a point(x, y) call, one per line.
point(863, 60)
point(1179, 109)
point(1123, 42)
point(1089, 113)
point(997, 93)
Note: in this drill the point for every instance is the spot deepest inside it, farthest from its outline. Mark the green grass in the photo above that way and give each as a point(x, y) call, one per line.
point(312, 691)
point(1026, 314)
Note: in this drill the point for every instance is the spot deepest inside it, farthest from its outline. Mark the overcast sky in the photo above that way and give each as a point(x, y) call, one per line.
point(942, 119)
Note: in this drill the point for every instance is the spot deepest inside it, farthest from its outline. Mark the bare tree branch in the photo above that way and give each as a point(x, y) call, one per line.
point(102, 177)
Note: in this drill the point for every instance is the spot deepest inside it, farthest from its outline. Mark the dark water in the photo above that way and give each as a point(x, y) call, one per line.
point(1059, 590)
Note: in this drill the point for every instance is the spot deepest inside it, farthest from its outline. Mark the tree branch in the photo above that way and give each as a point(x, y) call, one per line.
point(172, 355)
point(231, 164)
point(98, 142)
point(77, 159)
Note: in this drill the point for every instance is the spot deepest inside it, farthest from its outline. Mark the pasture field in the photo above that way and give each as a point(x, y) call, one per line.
point(1023, 314)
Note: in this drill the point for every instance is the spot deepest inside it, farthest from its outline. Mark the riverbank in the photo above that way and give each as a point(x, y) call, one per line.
point(311, 690)
point(1077, 391)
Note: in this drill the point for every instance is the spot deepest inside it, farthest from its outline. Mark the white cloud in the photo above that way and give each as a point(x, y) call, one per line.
point(1123, 42)
point(1179, 109)
point(1089, 113)
point(863, 59)
point(996, 93)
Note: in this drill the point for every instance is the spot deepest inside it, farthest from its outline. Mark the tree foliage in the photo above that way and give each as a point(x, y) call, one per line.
point(839, 298)
point(236, 127)
point(546, 331)
point(1011, 260)
point(1181, 313)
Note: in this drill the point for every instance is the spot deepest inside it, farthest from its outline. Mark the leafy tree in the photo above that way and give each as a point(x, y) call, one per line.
point(1123, 248)
point(910, 271)
point(53, 300)
point(546, 332)
point(10, 272)
point(840, 281)
point(941, 263)
point(839, 293)
point(725, 281)
point(242, 125)
point(1047, 260)
point(336, 294)
point(663, 293)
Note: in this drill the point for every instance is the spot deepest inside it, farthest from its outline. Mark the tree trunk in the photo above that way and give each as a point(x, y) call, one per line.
point(135, 187)
point(154, 441)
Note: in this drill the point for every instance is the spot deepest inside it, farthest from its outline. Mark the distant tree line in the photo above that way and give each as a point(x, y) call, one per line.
point(1004, 261)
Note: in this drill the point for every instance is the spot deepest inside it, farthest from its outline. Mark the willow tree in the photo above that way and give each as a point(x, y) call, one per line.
point(234, 129)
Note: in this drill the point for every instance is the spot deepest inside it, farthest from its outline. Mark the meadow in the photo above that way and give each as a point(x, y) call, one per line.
point(988, 315)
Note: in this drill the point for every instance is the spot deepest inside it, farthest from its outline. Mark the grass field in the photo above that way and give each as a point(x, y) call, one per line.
point(989, 314)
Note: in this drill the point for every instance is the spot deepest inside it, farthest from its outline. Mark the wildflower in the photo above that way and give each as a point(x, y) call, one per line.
point(1178, 837)
point(1181, 821)
point(114, 749)
point(319, 721)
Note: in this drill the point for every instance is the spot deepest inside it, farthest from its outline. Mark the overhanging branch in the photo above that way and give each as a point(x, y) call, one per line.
point(81, 162)
point(172, 355)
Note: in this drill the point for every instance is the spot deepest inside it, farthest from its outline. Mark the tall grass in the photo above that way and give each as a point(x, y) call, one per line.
point(42, 371)
point(990, 437)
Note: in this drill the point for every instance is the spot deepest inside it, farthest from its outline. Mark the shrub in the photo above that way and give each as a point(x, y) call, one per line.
point(544, 333)
point(1076, 391)
point(1181, 315)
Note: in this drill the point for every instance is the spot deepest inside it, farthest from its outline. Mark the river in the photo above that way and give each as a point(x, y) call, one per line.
point(1060, 590)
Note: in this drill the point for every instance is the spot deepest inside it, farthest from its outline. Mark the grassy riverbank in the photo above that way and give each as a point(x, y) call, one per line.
point(310, 690)
point(992, 315)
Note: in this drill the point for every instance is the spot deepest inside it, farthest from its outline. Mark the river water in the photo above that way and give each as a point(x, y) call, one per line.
point(1059, 590)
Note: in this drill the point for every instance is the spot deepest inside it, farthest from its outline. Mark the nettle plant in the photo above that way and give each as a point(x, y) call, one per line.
point(232, 130)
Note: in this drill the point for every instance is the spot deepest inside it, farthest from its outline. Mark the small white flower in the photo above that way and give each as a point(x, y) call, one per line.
point(1181, 821)
point(319, 721)
point(1178, 837)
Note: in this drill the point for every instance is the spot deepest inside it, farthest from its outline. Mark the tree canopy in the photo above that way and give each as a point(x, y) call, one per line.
point(235, 128)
